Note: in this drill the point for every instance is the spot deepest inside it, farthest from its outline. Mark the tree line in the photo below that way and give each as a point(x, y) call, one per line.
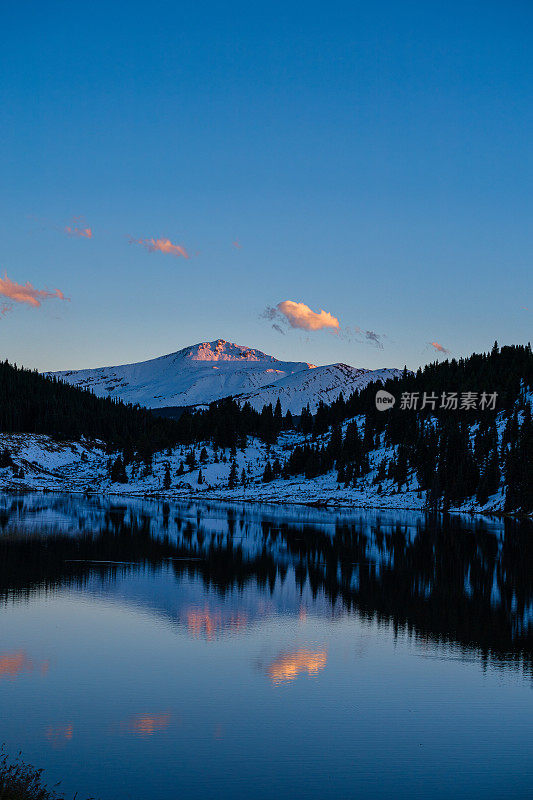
point(454, 454)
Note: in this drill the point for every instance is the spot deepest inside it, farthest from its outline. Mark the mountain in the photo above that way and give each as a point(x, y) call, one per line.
point(209, 371)
point(315, 385)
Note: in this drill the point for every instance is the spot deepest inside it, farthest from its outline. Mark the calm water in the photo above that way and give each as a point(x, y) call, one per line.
point(153, 650)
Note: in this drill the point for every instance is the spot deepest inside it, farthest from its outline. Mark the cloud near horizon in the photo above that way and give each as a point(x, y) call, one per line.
point(162, 245)
point(440, 347)
point(26, 294)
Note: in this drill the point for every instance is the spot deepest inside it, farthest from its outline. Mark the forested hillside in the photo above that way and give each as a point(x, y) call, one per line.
point(459, 431)
point(32, 403)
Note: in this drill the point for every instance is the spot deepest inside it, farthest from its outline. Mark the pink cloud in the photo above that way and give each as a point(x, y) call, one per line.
point(439, 347)
point(76, 228)
point(298, 315)
point(27, 294)
point(162, 245)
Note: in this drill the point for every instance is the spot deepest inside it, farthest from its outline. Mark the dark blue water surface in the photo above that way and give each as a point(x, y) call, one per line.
point(154, 650)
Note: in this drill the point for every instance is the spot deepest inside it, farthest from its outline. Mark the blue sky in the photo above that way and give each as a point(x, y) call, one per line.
point(372, 160)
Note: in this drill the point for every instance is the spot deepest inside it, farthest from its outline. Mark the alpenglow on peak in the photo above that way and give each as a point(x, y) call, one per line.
point(221, 350)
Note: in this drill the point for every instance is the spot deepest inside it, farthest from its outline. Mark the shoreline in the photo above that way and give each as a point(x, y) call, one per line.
point(326, 505)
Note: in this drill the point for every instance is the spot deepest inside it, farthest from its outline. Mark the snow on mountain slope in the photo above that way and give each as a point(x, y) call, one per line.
point(192, 376)
point(312, 386)
point(209, 371)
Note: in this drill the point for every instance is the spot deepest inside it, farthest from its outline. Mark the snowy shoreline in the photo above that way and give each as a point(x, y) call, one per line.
point(82, 467)
point(172, 496)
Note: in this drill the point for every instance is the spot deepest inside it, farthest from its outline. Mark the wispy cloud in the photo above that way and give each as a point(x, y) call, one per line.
point(26, 294)
point(79, 229)
point(361, 335)
point(162, 246)
point(440, 347)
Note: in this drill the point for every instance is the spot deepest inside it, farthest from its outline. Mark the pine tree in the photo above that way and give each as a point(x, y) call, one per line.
point(278, 416)
point(5, 458)
point(232, 481)
point(267, 474)
point(166, 479)
point(118, 471)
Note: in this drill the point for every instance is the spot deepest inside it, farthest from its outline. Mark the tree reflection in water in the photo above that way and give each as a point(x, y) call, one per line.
point(461, 581)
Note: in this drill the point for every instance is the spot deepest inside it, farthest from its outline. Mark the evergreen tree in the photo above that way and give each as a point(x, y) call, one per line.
point(5, 458)
point(190, 460)
point(232, 481)
point(118, 471)
point(278, 416)
point(268, 474)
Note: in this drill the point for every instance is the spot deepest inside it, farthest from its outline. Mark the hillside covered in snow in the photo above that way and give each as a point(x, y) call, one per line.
point(210, 371)
point(460, 437)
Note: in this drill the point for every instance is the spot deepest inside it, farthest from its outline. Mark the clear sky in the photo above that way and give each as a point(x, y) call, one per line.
point(372, 160)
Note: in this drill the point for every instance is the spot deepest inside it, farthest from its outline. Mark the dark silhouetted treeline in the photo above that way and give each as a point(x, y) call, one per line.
point(32, 403)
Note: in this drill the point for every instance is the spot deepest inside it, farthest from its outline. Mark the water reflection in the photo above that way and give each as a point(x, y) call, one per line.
point(145, 725)
point(299, 651)
point(450, 581)
point(14, 664)
point(288, 666)
point(59, 735)
point(208, 623)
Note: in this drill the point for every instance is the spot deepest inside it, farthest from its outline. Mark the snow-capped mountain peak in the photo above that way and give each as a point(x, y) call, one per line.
point(221, 350)
point(209, 371)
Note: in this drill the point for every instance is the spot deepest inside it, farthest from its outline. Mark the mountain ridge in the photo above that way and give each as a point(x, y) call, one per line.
point(208, 371)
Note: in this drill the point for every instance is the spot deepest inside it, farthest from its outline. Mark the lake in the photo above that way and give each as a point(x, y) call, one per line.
point(186, 650)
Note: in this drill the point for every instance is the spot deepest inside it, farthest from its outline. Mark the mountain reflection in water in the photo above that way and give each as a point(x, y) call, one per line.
point(190, 650)
point(460, 581)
